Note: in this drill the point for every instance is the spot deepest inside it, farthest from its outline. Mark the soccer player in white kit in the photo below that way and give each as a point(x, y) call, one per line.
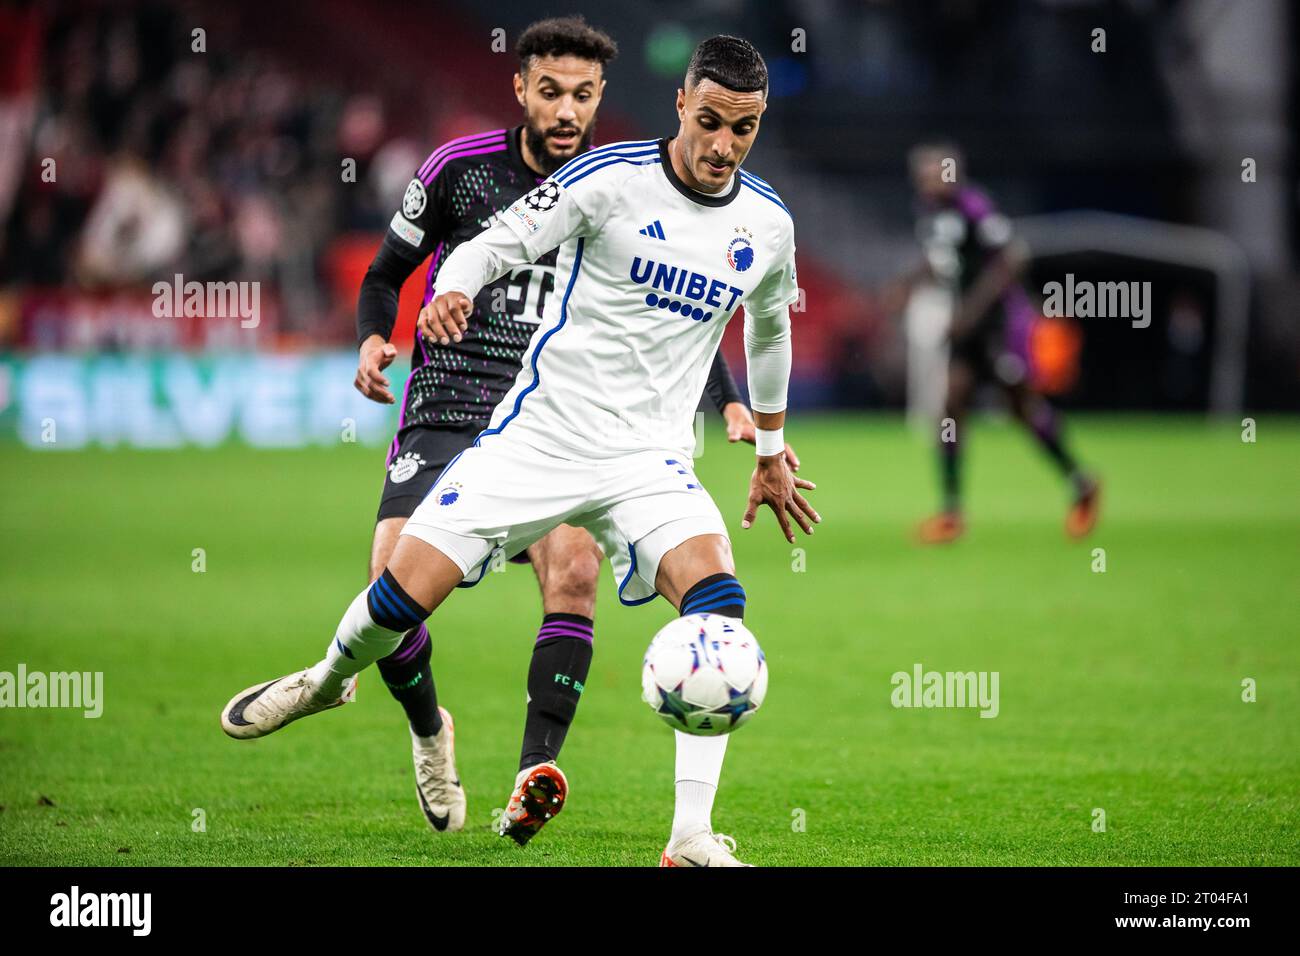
point(660, 242)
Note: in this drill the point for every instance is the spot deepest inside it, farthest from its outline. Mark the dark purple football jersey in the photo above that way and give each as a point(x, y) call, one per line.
point(454, 196)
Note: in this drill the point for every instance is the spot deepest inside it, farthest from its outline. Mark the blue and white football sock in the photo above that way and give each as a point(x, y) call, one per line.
point(371, 628)
point(699, 767)
point(717, 594)
point(699, 759)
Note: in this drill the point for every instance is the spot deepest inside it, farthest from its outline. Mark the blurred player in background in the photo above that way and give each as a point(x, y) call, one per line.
point(969, 247)
point(454, 386)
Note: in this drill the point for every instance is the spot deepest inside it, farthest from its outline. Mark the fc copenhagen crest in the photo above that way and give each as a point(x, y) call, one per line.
point(740, 251)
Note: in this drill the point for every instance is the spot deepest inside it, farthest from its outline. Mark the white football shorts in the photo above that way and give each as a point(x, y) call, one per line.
point(499, 497)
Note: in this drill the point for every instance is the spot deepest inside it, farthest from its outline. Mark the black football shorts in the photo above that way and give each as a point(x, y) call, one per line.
point(416, 458)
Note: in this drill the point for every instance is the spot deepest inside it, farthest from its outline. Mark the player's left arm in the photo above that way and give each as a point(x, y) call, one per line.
point(534, 224)
point(722, 391)
point(768, 358)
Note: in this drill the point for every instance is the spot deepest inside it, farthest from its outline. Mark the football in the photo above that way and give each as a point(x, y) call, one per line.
point(704, 674)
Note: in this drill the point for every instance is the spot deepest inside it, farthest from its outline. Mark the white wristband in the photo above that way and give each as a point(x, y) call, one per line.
point(769, 442)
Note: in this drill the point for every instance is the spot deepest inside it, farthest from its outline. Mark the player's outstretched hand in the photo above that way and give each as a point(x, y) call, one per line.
point(775, 485)
point(375, 356)
point(740, 427)
point(445, 318)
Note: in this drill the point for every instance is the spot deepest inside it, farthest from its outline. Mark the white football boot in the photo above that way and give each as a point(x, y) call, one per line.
point(540, 792)
point(701, 848)
point(265, 708)
point(442, 798)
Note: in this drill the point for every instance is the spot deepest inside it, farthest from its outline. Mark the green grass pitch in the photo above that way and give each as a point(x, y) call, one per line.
point(1119, 690)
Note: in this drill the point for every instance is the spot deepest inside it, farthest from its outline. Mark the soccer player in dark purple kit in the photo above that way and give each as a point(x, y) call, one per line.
point(969, 246)
point(454, 386)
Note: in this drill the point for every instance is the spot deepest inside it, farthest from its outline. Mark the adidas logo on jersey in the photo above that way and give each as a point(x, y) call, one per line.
point(654, 230)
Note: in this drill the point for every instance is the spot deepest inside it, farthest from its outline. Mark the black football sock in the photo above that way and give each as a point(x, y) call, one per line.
point(409, 677)
point(950, 475)
point(716, 594)
point(556, 675)
point(1045, 424)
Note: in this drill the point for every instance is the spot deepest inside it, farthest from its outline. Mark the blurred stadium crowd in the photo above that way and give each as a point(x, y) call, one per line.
point(221, 166)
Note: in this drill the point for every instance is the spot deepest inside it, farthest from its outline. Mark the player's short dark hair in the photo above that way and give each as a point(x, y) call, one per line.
point(564, 36)
point(730, 62)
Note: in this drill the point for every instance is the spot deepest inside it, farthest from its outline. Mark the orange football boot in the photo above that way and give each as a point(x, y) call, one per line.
point(943, 528)
point(1083, 513)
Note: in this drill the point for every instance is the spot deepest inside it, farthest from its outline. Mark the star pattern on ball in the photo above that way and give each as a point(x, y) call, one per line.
point(737, 706)
point(671, 703)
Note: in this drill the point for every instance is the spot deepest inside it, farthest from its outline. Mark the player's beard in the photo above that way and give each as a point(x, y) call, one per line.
point(537, 145)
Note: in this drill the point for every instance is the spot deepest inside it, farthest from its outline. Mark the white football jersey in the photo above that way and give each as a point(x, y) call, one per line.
point(648, 274)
